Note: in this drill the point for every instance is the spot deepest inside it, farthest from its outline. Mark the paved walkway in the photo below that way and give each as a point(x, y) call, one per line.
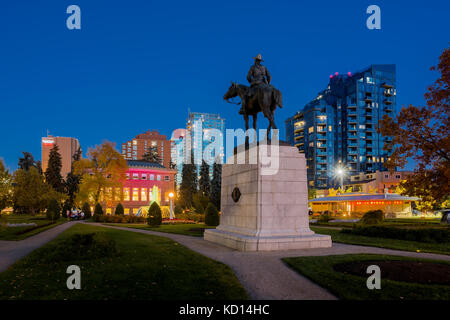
point(262, 274)
point(11, 251)
point(265, 276)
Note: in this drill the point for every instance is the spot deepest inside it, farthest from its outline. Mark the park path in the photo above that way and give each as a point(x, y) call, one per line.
point(11, 251)
point(264, 275)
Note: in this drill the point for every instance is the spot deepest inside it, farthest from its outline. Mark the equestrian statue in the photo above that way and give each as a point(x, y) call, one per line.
point(261, 96)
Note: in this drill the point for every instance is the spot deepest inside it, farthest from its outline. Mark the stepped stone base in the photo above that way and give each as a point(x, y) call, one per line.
point(270, 211)
point(249, 243)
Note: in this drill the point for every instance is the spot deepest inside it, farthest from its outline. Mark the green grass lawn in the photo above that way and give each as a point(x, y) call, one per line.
point(146, 268)
point(185, 229)
point(20, 233)
point(400, 223)
point(352, 287)
point(336, 236)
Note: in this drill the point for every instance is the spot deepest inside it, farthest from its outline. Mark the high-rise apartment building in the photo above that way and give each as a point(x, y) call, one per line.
point(338, 129)
point(177, 152)
point(142, 143)
point(67, 148)
point(200, 127)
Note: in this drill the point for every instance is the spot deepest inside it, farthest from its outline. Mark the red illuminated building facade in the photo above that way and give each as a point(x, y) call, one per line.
point(145, 182)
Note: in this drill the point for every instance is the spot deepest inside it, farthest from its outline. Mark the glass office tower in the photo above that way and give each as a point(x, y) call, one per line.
point(199, 126)
point(339, 127)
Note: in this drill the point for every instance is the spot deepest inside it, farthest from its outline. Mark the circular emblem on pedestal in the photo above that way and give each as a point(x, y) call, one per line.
point(236, 194)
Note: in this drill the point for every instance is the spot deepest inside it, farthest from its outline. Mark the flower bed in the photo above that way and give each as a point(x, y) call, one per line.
point(177, 221)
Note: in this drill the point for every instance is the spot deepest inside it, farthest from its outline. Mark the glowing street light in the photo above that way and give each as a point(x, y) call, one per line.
point(340, 173)
point(171, 205)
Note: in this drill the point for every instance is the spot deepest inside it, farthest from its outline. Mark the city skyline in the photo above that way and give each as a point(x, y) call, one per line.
point(153, 69)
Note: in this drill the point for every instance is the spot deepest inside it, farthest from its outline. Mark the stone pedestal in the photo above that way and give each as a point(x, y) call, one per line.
point(271, 211)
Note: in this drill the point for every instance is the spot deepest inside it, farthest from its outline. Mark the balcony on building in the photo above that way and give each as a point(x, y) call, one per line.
point(368, 99)
point(322, 159)
point(352, 120)
point(321, 119)
point(321, 146)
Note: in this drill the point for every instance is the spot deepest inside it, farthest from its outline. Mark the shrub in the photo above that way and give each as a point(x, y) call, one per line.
point(178, 210)
point(154, 217)
point(98, 211)
point(197, 217)
point(429, 235)
point(53, 210)
point(119, 210)
point(118, 218)
point(211, 215)
point(87, 210)
point(200, 202)
point(373, 217)
point(323, 218)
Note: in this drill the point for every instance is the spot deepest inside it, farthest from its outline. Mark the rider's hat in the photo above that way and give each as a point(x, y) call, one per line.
point(258, 57)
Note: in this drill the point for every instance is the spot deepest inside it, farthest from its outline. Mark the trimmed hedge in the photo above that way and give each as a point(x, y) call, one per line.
point(211, 215)
point(119, 209)
point(373, 217)
point(53, 210)
point(87, 210)
point(154, 217)
point(114, 218)
point(98, 211)
point(428, 235)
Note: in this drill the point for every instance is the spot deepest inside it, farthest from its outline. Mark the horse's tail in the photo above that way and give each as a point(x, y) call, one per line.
point(278, 97)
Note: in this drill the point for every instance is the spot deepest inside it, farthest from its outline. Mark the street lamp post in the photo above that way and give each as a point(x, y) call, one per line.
point(340, 173)
point(171, 205)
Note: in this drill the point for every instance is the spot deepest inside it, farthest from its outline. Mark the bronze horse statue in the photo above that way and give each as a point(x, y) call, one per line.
point(263, 98)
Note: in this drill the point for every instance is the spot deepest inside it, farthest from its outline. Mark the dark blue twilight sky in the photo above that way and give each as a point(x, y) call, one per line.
point(139, 65)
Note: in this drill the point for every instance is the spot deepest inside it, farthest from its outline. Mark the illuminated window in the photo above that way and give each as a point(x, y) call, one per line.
point(135, 142)
point(144, 194)
point(153, 143)
point(135, 176)
point(135, 194)
point(126, 194)
point(310, 129)
point(144, 177)
point(329, 128)
point(158, 177)
point(108, 211)
point(152, 177)
point(126, 211)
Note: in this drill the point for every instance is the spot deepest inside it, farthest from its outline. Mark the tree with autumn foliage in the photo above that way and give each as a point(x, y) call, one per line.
point(102, 171)
point(422, 133)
